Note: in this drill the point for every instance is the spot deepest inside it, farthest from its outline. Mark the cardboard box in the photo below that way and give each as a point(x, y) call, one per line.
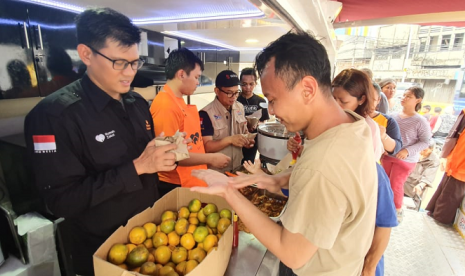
point(213, 265)
point(459, 223)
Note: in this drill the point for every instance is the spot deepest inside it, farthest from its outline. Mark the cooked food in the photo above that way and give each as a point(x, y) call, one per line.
point(268, 203)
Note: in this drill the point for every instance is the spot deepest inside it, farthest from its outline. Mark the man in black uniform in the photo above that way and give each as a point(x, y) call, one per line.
point(251, 103)
point(91, 142)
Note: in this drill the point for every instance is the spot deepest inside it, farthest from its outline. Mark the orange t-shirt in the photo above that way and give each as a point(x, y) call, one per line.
point(456, 160)
point(167, 118)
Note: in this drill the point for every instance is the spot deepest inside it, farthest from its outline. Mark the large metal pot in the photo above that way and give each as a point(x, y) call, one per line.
point(272, 142)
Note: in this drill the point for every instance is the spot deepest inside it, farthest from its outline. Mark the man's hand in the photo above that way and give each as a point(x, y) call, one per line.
point(293, 145)
point(443, 164)
point(216, 181)
point(402, 154)
point(156, 159)
point(219, 160)
point(263, 181)
point(238, 140)
point(251, 143)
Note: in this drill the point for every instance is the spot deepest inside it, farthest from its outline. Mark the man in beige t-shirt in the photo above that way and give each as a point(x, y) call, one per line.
point(332, 199)
point(329, 222)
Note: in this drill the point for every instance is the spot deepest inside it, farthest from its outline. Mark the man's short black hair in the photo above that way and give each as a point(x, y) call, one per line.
point(96, 25)
point(249, 71)
point(297, 54)
point(427, 107)
point(179, 59)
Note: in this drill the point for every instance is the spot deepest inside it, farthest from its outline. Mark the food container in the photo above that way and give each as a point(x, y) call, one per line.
point(272, 141)
point(264, 199)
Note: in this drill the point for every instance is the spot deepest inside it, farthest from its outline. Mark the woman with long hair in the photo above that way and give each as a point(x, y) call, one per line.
point(352, 90)
point(415, 132)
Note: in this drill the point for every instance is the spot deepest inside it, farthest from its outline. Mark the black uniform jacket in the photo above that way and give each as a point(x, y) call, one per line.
point(82, 144)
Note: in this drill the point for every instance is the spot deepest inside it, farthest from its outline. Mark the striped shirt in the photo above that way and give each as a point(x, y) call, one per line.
point(415, 132)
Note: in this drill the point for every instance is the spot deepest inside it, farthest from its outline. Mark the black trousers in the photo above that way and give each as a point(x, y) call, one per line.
point(165, 187)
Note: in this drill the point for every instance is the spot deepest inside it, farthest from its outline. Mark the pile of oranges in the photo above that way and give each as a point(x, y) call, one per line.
point(177, 245)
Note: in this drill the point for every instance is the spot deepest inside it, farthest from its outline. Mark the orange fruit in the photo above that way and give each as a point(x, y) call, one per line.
point(197, 254)
point(150, 228)
point(187, 241)
point(201, 216)
point(193, 215)
point(137, 235)
point(181, 226)
point(151, 257)
point(162, 255)
point(148, 268)
point(148, 243)
point(173, 265)
point(191, 228)
point(160, 239)
point(164, 271)
point(212, 220)
point(194, 221)
point(211, 249)
point(179, 255)
point(130, 247)
point(167, 226)
point(137, 257)
point(225, 213)
point(209, 242)
point(124, 266)
point(168, 215)
point(183, 212)
point(223, 224)
point(190, 265)
point(210, 209)
point(181, 267)
point(200, 233)
point(118, 253)
point(173, 239)
point(194, 205)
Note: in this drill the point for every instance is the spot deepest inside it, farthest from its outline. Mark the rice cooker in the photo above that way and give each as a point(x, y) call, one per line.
point(272, 142)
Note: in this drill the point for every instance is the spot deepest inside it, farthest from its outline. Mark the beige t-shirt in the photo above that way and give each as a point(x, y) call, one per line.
point(332, 199)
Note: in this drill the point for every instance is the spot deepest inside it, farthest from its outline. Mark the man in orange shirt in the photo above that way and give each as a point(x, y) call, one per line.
point(445, 201)
point(170, 113)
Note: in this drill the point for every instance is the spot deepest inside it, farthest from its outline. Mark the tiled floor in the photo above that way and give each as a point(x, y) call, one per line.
point(421, 246)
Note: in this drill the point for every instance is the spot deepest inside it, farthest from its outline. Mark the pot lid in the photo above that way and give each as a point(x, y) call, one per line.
point(274, 129)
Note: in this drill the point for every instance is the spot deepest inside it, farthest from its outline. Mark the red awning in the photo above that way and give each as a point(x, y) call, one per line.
point(423, 12)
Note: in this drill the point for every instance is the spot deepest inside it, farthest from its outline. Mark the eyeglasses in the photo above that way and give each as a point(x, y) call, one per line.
point(230, 95)
point(121, 64)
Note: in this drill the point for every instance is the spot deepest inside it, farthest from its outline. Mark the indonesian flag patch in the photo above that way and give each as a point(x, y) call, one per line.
point(44, 143)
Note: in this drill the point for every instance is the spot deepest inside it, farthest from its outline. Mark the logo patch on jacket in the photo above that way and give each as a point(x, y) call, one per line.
point(147, 125)
point(44, 143)
point(217, 117)
point(107, 135)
